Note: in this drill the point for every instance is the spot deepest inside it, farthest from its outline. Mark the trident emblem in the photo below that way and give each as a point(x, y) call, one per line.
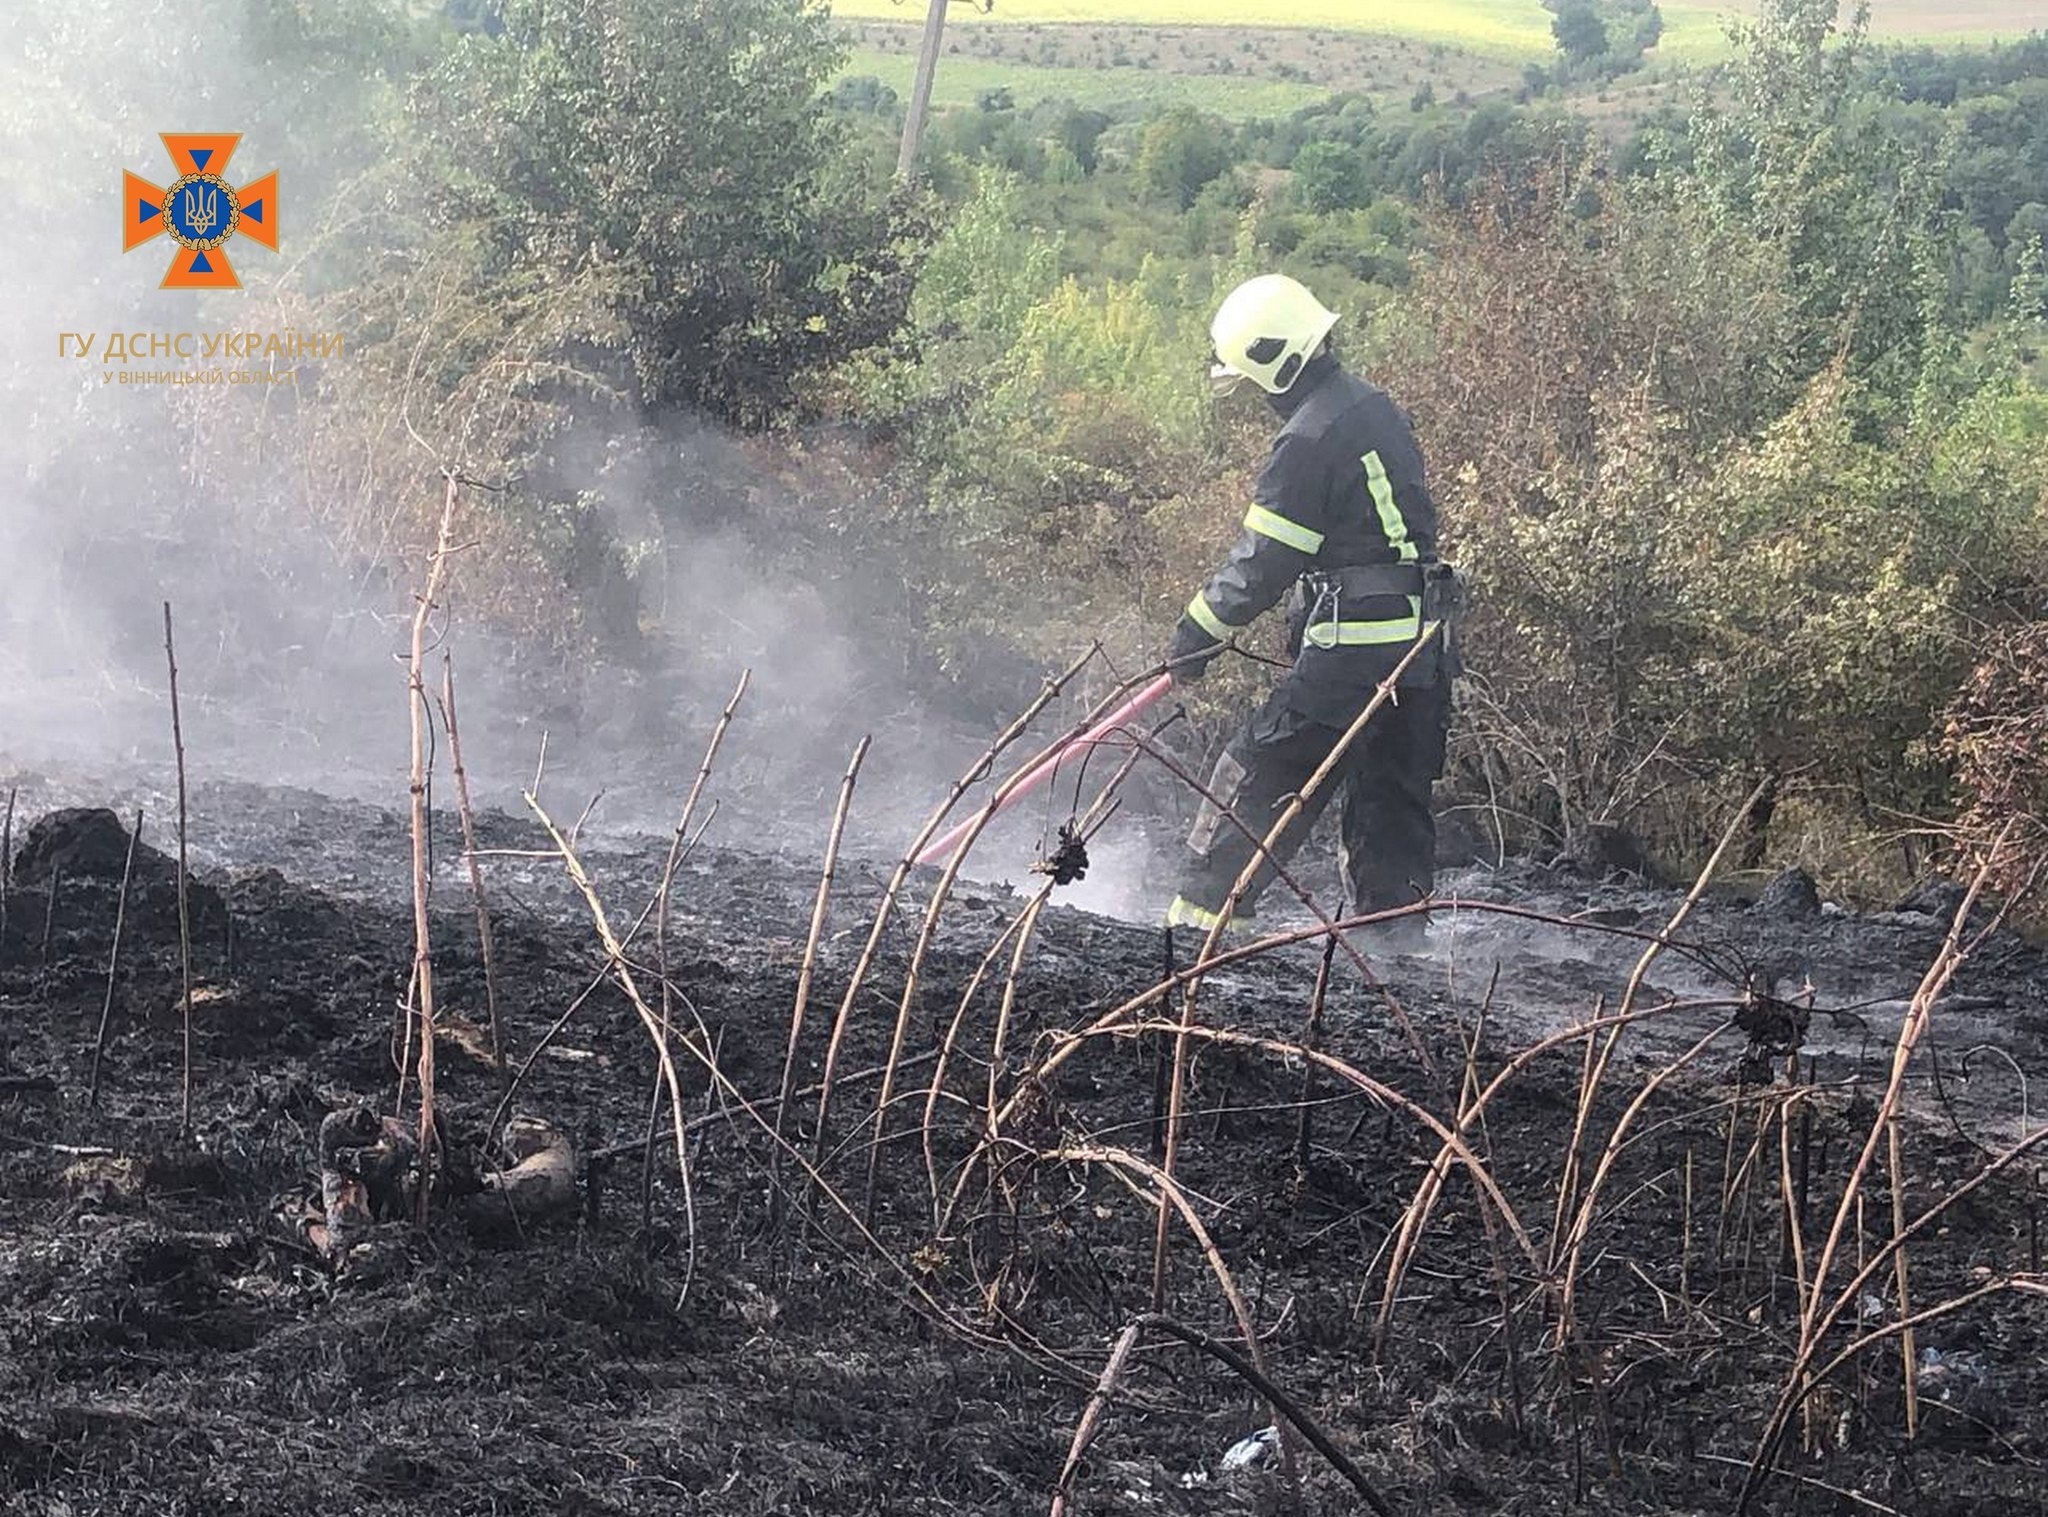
point(202, 206)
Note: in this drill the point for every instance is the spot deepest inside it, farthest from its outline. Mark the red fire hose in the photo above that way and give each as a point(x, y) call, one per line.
point(1036, 777)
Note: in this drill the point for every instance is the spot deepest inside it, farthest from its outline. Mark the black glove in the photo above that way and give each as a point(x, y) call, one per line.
point(1192, 650)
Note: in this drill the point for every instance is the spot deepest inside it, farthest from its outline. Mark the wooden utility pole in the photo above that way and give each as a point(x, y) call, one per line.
point(921, 88)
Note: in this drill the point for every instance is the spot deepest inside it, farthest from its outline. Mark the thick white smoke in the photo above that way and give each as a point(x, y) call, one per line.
point(115, 498)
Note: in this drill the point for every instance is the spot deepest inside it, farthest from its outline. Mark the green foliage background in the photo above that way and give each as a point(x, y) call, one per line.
point(1734, 422)
point(1736, 418)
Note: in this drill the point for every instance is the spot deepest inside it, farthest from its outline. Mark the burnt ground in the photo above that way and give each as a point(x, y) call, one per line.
point(170, 1343)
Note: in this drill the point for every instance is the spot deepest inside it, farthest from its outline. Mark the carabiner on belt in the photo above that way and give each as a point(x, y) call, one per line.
point(1324, 609)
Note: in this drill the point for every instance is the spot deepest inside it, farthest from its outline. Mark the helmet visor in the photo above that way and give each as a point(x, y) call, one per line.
point(1224, 380)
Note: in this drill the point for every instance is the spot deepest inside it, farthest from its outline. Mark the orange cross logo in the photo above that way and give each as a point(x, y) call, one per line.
point(200, 211)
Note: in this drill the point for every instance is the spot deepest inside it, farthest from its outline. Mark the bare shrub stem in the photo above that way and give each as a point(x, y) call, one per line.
point(1176, 1096)
point(1822, 1313)
point(99, 1042)
point(422, 882)
point(812, 940)
point(1092, 1415)
point(184, 901)
point(6, 864)
point(485, 946)
point(887, 906)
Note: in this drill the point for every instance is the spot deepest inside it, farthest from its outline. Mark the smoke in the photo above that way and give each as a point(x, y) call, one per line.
point(101, 519)
point(119, 497)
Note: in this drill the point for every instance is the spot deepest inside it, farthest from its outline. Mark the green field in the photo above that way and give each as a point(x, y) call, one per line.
point(1141, 55)
point(1506, 28)
point(1694, 33)
point(1518, 29)
point(962, 81)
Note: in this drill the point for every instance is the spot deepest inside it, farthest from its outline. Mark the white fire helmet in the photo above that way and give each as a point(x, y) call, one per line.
point(1265, 331)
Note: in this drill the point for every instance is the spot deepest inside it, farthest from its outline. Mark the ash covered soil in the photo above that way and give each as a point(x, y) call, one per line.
point(170, 1341)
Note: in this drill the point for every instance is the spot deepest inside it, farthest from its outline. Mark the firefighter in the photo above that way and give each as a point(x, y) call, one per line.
point(1340, 520)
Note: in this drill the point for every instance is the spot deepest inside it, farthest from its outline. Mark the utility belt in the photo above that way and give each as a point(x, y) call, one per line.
point(1327, 605)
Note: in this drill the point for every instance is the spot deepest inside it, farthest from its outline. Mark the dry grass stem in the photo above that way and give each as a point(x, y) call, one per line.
point(620, 968)
point(679, 845)
point(485, 945)
point(1092, 1415)
point(1172, 1196)
point(1021, 927)
point(1588, 1207)
point(422, 880)
point(184, 900)
point(1821, 1312)
point(949, 1044)
point(1176, 1094)
point(1386, 1095)
point(887, 906)
point(1284, 877)
point(99, 1042)
point(6, 859)
point(935, 908)
point(812, 939)
point(1909, 1357)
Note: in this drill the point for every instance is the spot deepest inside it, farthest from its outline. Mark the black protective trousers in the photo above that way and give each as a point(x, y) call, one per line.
point(1387, 834)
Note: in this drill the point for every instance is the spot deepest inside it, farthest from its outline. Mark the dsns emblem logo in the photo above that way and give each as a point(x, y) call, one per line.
point(200, 211)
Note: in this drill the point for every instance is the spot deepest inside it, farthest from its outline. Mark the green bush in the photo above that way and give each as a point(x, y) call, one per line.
point(1328, 176)
point(1697, 566)
point(558, 138)
point(1180, 152)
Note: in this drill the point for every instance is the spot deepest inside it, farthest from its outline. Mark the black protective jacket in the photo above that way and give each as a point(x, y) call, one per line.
point(1343, 488)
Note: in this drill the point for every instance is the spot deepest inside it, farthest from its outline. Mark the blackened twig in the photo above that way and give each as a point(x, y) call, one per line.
point(476, 869)
point(6, 865)
point(99, 1042)
point(184, 902)
point(1303, 1137)
point(1091, 1416)
point(50, 914)
point(809, 969)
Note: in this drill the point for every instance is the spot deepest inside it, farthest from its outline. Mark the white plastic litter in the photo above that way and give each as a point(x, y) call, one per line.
point(1953, 1378)
point(1253, 1451)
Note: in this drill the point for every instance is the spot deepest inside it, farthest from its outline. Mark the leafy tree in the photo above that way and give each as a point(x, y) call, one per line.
point(1995, 733)
point(684, 151)
point(1649, 28)
point(2027, 247)
point(983, 276)
point(1080, 131)
point(484, 16)
point(1798, 156)
point(1580, 33)
point(1061, 166)
point(1603, 38)
point(863, 94)
point(1357, 243)
point(1180, 153)
point(1329, 176)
